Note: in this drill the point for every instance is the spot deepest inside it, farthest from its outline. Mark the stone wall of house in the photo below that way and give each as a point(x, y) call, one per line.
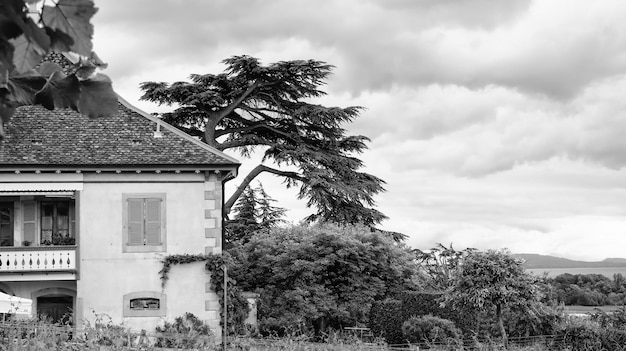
point(108, 275)
point(213, 236)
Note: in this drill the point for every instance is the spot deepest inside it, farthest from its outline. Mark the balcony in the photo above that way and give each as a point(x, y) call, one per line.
point(38, 263)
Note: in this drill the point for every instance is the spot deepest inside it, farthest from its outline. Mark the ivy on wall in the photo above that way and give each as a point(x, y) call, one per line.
point(237, 308)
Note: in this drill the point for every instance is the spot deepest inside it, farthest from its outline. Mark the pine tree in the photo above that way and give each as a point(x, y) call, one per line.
point(254, 212)
point(269, 216)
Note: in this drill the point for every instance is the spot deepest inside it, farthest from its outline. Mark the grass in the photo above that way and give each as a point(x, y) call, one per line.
point(589, 309)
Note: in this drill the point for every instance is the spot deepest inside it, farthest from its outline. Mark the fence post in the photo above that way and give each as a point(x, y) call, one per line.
point(225, 331)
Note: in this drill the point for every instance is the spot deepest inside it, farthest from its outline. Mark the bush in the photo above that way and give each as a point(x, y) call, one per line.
point(186, 332)
point(431, 330)
point(386, 317)
point(582, 336)
point(615, 319)
point(386, 321)
point(540, 319)
point(611, 329)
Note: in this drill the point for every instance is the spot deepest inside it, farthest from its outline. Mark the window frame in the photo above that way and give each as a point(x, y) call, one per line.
point(11, 207)
point(126, 246)
point(71, 217)
point(129, 312)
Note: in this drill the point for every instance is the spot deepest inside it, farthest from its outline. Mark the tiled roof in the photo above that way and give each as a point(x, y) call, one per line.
point(38, 137)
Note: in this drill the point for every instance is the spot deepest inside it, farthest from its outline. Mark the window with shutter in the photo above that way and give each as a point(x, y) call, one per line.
point(6, 224)
point(153, 221)
point(29, 222)
point(135, 222)
point(144, 227)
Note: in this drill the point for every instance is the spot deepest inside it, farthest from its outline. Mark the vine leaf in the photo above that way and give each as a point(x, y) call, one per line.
point(72, 17)
point(59, 41)
point(10, 18)
point(59, 91)
point(23, 87)
point(97, 98)
point(6, 111)
point(30, 47)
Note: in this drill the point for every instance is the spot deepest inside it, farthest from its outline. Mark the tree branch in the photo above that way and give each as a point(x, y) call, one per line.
point(216, 117)
point(253, 174)
point(261, 109)
point(221, 132)
point(233, 105)
point(245, 140)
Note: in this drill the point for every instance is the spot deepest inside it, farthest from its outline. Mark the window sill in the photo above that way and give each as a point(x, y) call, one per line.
point(143, 248)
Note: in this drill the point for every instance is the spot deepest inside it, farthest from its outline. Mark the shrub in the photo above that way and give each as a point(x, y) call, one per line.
point(431, 330)
point(386, 321)
point(386, 317)
point(186, 332)
point(581, 336)
point(615, 319)
point(540, 319)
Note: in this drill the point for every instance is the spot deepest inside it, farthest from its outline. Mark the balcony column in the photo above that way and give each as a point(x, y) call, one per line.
point(17, 224)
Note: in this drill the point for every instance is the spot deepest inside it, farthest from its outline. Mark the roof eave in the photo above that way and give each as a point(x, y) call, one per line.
point(232, 170)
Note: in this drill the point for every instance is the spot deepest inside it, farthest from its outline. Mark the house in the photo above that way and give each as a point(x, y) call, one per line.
point(89, 207)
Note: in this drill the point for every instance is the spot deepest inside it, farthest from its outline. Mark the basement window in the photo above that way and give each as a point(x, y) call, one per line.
point(145, 304)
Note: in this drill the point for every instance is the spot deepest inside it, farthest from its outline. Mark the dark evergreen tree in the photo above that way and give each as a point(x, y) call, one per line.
point(269, 215)
point(251, 105)
point(254, 212)
point(244, 221)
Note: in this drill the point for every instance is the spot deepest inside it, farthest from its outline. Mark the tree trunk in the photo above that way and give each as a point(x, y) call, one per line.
point(228, 205)
point(505, 338)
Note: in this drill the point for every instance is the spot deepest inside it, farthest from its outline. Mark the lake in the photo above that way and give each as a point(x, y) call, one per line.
point(553, 272)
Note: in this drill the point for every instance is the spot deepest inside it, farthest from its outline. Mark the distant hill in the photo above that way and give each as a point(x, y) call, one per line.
point(532, 261)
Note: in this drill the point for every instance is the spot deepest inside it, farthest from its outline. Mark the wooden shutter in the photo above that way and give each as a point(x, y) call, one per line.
point(72, 219)
point(135, 221)
point(153, 221)
point(29, 221)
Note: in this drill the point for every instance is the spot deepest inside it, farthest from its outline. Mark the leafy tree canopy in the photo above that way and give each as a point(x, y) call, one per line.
point(251, 105)
point(493, 280)
point(315, 277)
point(30, 30)
point(441, 264)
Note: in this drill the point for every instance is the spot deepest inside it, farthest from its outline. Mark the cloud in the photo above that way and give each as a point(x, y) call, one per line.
point(494, 123)
point(554, 48)
point(550, 47)
point(581, 238)
point(479, 132)
point(559, 206)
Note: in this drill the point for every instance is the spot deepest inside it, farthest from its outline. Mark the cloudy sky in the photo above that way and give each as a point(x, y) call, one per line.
point(494, 123)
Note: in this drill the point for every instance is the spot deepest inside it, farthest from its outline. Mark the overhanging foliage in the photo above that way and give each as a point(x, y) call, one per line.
point(27, 36)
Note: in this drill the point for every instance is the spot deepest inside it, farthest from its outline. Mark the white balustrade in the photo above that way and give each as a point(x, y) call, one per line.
point(38, 259)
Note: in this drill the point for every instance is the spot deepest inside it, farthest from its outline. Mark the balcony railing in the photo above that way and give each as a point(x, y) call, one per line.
point(38, 259)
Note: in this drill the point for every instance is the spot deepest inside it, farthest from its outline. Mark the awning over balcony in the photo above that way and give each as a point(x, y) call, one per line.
point(42, 189)
point(60, 193)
